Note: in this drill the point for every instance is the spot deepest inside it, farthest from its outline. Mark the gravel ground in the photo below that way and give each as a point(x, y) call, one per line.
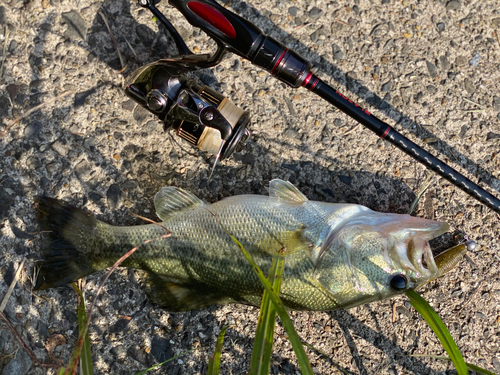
point(430, 68)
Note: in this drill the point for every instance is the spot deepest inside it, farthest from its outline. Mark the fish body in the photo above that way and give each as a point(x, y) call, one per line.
point(336, 255)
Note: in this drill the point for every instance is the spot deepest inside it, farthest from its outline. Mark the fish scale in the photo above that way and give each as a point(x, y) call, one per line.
point(336, 255)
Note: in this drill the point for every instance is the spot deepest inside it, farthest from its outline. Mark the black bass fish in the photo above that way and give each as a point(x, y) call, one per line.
point(337, 256)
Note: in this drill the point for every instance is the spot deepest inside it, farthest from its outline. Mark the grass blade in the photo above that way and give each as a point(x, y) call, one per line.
point(470, 366)
point(86, 366)
point(264, 336)
point(161, 364)
point(439, 329)
point(214, 361)
point(280, 308)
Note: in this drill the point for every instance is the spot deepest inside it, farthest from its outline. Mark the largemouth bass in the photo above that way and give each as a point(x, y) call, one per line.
point(336, 255)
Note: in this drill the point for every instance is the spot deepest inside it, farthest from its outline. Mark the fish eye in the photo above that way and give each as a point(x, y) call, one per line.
point(398, 282)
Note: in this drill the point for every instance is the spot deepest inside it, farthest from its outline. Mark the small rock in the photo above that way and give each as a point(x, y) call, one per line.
point(129, 105)
point(431, 68)
point(475, 60)
point(293, 11)
point(13, 90)
point(113, 196)
point(212, 185)
point(19, 365)
point(81, 97)
point(453, 5)
point(83, 170)
point(444, 62)
point(315, 13)
point(32, 129)
point(386, 87)
point(140, 114)
point(463, 131)
point(337, 52)
point(492, 135)
point(77, 28)
point(441, 26)
point(469, 86)
point(496, 103)
point(496, 22)
point(432, 89)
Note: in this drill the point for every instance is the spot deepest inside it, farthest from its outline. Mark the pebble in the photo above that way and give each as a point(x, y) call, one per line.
point(444, 62)
point(337, 52)
point(293, 11)
point(113, 196)
point(475, 60)
point(386, 87)
point(496, 22)
point(32, 129)
point(441, 26)
point(453, 5)
point(81, 97)
point(140, 114)
point(83, 170)
point(315, 13)
point(77, 28)
point(431, 68)
point(469, 86)
point(492, 135)
point(496, 103)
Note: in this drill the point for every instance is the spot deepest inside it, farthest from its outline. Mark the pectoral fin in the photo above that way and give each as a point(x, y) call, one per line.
point(286, 243)
point(172, 200)
point(285, 191)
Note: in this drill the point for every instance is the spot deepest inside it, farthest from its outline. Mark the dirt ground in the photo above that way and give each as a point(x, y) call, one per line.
point(429, 68)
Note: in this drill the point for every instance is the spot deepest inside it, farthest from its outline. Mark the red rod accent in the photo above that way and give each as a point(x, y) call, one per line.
point(314, 84)
point(386, 131)
point(279, 60)
point(307, 79)
point(213, 17)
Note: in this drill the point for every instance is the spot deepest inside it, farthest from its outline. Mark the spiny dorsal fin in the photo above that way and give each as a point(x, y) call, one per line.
point(286, 191)
point(171, 200)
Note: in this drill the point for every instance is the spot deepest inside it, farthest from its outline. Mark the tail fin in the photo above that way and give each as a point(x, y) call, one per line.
point(67, 256)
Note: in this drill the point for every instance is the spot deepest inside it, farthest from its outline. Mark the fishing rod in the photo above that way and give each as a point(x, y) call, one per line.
point(234, 34)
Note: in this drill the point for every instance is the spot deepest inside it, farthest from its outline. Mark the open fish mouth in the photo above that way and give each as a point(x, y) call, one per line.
point(420, 254)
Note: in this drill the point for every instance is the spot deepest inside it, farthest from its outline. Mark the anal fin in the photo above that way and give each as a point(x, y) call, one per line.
point(174, 296)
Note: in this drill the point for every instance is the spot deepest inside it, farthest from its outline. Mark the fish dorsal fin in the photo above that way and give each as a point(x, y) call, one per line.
point(172, 200)
point(286, 191)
